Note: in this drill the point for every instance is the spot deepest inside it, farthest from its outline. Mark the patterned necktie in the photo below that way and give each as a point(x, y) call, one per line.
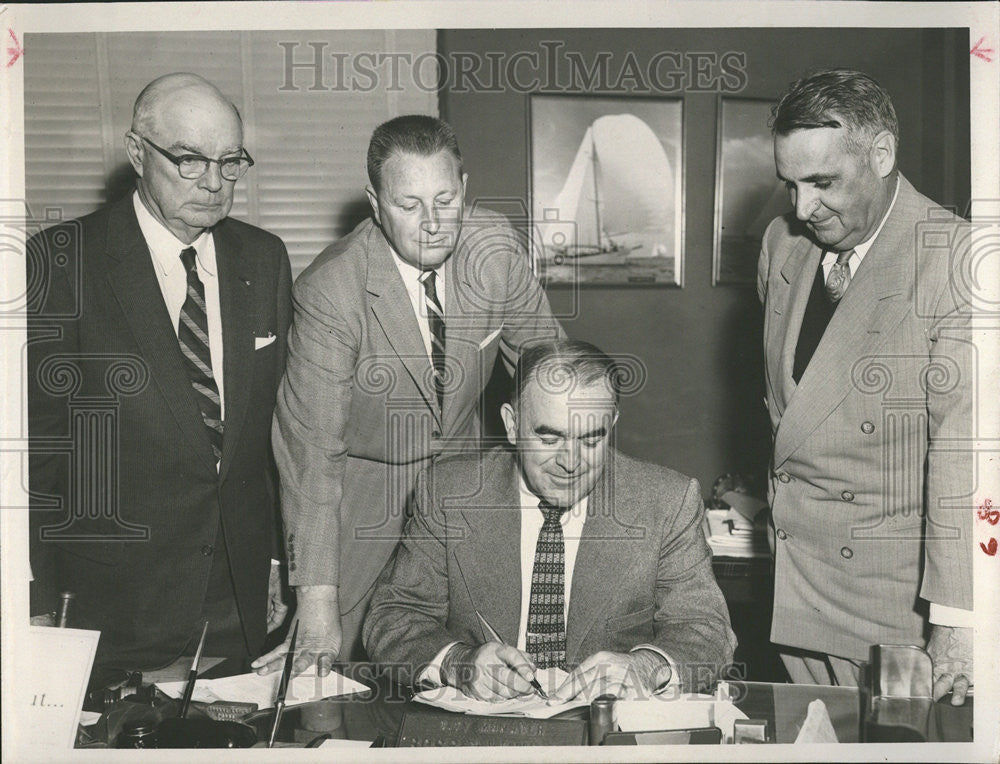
point(839, 277)
point(192, 333)
point(546, 637)
point(435, 321)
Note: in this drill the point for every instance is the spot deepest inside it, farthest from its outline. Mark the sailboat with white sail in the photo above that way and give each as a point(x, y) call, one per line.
point(620, 192)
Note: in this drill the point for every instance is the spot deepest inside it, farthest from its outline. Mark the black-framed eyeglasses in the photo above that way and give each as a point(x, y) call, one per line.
point(193, 166)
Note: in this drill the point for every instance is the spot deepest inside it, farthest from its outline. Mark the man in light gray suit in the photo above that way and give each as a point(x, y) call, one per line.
point(870, 383)
point(395, 333)
point(576, 555)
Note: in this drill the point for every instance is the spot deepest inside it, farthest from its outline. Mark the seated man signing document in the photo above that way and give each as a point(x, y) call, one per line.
point(575, 555)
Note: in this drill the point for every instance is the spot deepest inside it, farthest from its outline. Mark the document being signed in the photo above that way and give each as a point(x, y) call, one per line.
point(534, 706)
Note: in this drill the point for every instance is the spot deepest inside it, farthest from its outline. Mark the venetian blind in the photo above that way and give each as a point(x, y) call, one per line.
point(307, 127)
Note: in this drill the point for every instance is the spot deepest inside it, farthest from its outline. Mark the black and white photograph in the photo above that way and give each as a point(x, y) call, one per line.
point(528, 381)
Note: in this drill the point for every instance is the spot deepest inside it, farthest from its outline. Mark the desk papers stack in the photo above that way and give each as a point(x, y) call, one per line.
point(739, 531)
point(254, 688)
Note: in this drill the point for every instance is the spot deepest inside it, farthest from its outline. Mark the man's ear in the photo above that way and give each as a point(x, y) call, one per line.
point(135, 152)
point(883, 154)
point(373, 201)
point(509, 423)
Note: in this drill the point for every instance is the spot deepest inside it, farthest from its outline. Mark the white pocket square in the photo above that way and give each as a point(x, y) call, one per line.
point(490, 337)
point(263, 342)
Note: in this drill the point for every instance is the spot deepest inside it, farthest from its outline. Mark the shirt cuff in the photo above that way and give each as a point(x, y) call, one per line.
point(431, 675)
point(275, 562)
point(675, 674)
point(943, 615)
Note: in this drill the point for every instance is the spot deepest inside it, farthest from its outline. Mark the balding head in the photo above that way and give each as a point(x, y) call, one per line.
point(180, 115)
point(177, 91)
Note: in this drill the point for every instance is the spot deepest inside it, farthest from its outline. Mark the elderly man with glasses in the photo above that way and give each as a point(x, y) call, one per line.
point(157, 340)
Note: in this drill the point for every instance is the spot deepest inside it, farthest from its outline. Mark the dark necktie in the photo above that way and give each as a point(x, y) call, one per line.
point(823, 301)
point(192, 334)
point(546, 637)
point(435, 322)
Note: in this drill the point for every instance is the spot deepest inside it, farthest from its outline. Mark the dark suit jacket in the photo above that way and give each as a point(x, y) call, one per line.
point(871, 475)
point(357, 417)
point(643, 572)
point(120, 454)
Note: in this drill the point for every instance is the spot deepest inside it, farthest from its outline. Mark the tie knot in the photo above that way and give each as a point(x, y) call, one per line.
point(551, 512)
point(187, 257)
point(427, 278)
point(844, 257)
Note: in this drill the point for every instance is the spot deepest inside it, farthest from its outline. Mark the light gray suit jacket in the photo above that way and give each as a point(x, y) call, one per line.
point(357, 416)
point(871, 474)
point(643, 572)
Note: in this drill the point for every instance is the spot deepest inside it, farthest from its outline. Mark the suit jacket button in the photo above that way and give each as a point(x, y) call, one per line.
point(784, 477)
point(846, 552)
point(847, 496)
point(207, 550)
point(780, 533)
point(291, 566)
point(867, 428)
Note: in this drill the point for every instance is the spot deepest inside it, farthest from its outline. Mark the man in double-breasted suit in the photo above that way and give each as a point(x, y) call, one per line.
point(870, 383)
point(157, 342)
point(578, 556)
point(396, 329)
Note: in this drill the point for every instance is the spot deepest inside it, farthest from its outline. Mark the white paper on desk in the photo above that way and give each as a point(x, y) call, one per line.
point(453, 699)
point(673, 712)
point(747, 506)
point(341, 743)
point(254, 688)
point(54, 684)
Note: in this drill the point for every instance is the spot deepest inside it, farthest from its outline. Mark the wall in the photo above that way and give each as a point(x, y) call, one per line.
point(701, 409)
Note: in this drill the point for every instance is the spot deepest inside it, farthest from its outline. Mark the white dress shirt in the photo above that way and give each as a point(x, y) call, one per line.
point(941, 615)
point(165, 250)
point(415, 289)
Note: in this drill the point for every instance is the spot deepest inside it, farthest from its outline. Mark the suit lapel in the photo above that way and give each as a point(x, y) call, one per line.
point(798, 272)
point(236, 307)
point(394, 312)
point(489, 558)
point(872, 307)
point(603, 558)
point(134, 284)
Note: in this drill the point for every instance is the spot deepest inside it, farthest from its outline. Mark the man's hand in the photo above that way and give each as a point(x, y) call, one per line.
point(320, 635)
point(492, 672)
point(624, 675)
point(276, 607)
point(950, 648)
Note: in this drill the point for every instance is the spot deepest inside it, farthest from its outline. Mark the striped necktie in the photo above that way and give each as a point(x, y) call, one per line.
point(192, 334)
point(546, 637)
point(435, 321)
point(839, 277)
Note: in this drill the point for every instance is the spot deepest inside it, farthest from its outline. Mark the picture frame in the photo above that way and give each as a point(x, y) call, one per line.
point(748, 194)
point(606, 179)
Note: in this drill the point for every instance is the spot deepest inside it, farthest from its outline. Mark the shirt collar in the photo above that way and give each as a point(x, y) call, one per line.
point(166, 248)
point(529, 501)
point(411, 274)
point(862, 249)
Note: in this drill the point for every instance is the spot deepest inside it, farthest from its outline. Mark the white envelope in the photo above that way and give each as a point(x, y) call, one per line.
point(263, 342)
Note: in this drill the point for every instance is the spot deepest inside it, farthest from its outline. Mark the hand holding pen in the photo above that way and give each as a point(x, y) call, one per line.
point(493, 671)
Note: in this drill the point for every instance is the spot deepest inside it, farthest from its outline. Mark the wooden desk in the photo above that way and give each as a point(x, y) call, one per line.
point(783, 705)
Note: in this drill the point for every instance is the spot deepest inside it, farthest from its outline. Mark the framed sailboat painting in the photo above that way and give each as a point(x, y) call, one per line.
point(748, 194)
point(607, 189)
